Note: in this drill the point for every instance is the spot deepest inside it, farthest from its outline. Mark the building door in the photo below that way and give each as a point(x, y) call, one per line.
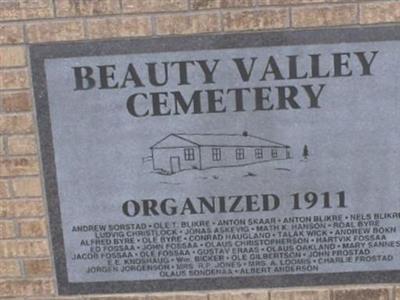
point(175, 164)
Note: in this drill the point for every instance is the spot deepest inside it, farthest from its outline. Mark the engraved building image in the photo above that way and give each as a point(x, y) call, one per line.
point(178, 152)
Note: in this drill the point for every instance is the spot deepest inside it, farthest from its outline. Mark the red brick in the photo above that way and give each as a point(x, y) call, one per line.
point(146, 6)
point(11, 34)
point(32, 228)
point(19, 166)
point(2, 146)
point(12, 56)
point(188, 24)
point(21, 208)
point(379, 12)
point(9, 268)
point(256, 19)
point(25, 9)
point(13, 79)
point(4, 189)
point(316, 294)
point(21, 144)
point(211, 4)
point(69, 8)
point(54, 31)
point(361, 294)
point(7, 229)
point(119, 27)
point(26, 288)
point(27, 187)
point(38, 267)
point(294, 2)
point(16, 102)
point(16, 124)
point(397, 293)
point(322, 15)
point(239, 295)
point(23, 248)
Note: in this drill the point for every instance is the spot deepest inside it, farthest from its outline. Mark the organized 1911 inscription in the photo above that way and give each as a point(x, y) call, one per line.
point(225, 161)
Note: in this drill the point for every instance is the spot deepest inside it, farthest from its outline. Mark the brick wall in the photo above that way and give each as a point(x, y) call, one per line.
point(26, 270)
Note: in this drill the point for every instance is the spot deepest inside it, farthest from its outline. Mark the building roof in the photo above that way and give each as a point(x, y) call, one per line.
point(218, 140)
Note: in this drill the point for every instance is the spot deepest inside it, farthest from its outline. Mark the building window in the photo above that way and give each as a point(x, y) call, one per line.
point(189, 153)
point(274, 153)
point(259, 153)
point(239, 153)
point(216, 154)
